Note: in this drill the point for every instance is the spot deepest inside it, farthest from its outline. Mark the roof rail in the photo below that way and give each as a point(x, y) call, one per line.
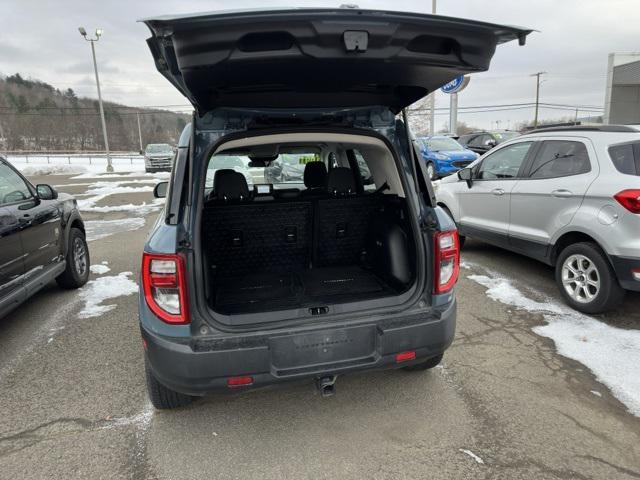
point(586, 128)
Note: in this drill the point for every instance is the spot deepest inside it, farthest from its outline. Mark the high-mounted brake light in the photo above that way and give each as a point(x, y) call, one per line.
point(164, 285)
point(447, 260)
point(629, 199)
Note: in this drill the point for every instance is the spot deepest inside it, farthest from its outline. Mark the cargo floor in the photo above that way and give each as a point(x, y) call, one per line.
point(309, 288)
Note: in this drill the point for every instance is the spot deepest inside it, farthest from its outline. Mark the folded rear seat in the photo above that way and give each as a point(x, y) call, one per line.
point(343, 221)
point(242, 237)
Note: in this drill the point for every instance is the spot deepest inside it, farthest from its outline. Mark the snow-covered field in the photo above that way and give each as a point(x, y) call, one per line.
point(74, 165)
point(612, 354)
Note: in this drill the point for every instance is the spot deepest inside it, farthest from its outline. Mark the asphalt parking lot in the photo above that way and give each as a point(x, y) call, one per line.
point(504, 403)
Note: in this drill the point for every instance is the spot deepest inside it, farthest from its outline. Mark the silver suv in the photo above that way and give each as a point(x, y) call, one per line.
point(567, 196)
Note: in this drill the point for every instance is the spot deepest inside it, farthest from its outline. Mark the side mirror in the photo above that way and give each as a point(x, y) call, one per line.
point(160, 190)
point(46, 192)
point(466, 174)
point(490, 143)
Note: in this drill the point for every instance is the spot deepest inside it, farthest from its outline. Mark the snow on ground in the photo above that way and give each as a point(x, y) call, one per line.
point(97, 229)
point(141, 209)
point(78, 165)
point(97, 291)
point(612, 354)
point(472, 455)
point(99, 269)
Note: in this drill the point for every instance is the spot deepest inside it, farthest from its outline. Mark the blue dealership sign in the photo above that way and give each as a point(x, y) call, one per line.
point(455, 85)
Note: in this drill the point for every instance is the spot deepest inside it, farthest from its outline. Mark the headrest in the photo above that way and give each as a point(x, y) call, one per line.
point(315, 175)
point(230, 185)
point(340, 181)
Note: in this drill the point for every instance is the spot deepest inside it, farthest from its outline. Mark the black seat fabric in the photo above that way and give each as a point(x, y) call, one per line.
point(343, 227)
point(260, 237)
point(315, 178)
point(340, 182)
point(229, 185)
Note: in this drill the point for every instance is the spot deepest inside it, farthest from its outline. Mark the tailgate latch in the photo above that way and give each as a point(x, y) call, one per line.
point(356, 40)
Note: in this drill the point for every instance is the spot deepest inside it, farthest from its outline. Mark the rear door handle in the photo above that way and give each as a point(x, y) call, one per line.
point(497, 191)
point(562, 193)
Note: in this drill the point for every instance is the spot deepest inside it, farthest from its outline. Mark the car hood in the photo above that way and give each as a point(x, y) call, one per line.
point(318, 57)
point(457, 154)
point(159, 155)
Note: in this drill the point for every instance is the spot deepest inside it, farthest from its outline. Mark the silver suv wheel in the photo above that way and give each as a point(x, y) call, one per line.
point(580, 278)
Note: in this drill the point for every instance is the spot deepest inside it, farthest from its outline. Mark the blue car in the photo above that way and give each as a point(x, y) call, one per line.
point(443, 155)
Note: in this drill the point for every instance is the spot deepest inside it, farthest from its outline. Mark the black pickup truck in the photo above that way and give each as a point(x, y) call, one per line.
point(42, 238)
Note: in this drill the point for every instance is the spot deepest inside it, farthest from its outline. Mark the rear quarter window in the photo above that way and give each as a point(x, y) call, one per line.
point(560, 158)
point(626, 158)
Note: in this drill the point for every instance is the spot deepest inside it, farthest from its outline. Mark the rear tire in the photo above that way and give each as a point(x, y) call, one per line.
point(426, 365)
point(586, 279)
point(77, 259)
point(162, 397)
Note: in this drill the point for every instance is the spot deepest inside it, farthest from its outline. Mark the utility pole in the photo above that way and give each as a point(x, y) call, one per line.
point(537, 75)
point(432, 95)
point(575, 122)
point(139, 131)
point(92, 41)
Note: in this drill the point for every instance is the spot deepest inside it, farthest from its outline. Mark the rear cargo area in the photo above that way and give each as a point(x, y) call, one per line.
point(330, 243)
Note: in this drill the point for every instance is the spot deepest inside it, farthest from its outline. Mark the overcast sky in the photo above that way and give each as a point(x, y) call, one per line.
point(40, 39)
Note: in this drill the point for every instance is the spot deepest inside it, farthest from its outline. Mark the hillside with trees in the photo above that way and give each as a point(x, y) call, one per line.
point(37, 116)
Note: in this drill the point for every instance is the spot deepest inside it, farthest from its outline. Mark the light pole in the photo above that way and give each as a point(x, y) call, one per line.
point(92, 41)
point(432, 95)
point(537, 75)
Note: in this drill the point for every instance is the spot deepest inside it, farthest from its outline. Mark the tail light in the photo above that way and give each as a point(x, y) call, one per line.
point(629, 199)
point(164, 285)
point(447, 260)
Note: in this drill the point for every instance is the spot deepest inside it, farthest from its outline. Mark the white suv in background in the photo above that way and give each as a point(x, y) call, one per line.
point(567, 196)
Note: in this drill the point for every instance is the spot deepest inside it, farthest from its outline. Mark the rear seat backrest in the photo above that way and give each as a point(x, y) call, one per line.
point(229, 186)
point(343, 222)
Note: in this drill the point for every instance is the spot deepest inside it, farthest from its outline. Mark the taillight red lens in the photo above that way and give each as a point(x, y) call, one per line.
point(447, 260)
point(164, 285)
point(239, 381)
point(405, 356)
point(629, 199)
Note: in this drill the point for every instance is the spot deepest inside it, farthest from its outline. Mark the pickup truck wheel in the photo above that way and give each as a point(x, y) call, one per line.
point(162, 397)
point(586, 279)
point(426, 365)
point(76, 272)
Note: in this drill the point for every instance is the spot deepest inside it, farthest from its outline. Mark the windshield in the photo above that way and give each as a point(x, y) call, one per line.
point(159, 148)
point(504, 136)
point(441, 144)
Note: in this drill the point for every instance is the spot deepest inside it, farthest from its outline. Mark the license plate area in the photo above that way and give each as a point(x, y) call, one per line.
point(291, 354)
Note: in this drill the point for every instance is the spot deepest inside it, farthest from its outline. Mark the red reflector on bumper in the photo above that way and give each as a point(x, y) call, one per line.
point(239, 381)
point(405, 356)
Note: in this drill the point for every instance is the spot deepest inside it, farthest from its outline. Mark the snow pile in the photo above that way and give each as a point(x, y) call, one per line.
point(97, 229)
point(612, 354)
point(141, 209)
point(30, 170)
point(97, 291)
point(99, 269)
point(134, 173)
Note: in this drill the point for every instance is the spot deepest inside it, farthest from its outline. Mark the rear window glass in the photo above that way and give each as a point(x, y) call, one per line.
point(560, 158)
point(624, 159)
point(285, 171)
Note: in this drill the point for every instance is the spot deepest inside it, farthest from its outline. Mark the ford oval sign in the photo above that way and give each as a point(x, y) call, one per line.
point(455, 85)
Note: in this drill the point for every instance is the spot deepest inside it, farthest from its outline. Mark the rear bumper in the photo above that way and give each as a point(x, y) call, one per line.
point(624, 268)
point(203, 366)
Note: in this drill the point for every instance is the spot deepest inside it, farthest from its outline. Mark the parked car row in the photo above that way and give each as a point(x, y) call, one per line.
point(567, 196)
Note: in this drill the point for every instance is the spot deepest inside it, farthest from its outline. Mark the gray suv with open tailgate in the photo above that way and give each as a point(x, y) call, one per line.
point(351, 268)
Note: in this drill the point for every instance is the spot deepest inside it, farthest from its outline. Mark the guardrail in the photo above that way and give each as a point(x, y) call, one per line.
point(73, 158)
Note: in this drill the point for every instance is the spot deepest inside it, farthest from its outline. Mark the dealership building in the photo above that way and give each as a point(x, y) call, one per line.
point(622, 99)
